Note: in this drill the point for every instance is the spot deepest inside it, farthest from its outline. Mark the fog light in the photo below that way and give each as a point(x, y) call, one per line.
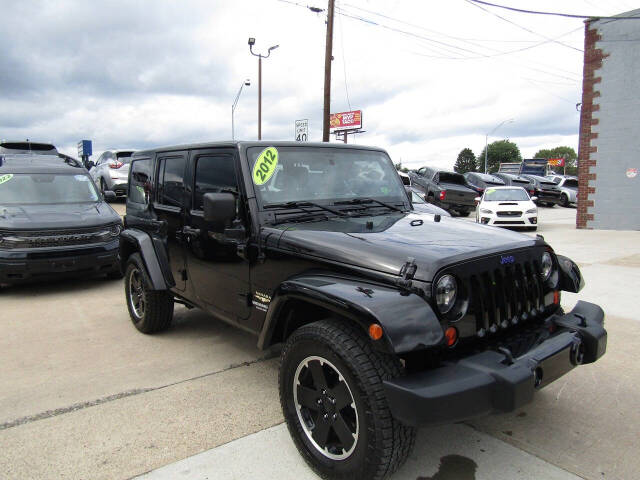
point(451, 336)
point(534, 220)
point(484, 220)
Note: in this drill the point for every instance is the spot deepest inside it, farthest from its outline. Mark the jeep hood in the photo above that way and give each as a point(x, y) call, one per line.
point(388, 241)
point(56, 216)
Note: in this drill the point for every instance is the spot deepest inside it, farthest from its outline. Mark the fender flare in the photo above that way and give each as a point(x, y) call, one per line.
point(571, 279)
point(143, 244)
point(408, 321)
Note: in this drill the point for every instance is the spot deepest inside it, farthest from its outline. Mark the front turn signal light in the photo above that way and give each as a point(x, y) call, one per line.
point(375, 331)
point(451, 336)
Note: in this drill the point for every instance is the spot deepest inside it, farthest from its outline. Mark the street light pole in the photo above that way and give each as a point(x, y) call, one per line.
point(486, 141)
point(233, 107)
point(252, 42)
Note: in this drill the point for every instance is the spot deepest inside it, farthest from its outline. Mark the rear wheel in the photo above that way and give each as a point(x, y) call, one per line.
point(464, 213)
point(150, 310)
point(334, 404)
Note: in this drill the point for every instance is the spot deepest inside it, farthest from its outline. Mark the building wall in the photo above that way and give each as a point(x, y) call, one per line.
point(610, 126)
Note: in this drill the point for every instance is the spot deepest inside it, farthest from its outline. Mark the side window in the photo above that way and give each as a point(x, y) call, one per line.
point(140, 185)
point(213, 173)
point(557, 180)
point(171, 181)
point(422, 171)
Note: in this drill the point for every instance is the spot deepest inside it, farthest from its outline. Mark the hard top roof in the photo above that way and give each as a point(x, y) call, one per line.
point(246, 144)
point(27, 146)
point(31, 163)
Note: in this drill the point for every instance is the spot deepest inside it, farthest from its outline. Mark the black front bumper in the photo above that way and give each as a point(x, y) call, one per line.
point(490, 382)
point(20, 266)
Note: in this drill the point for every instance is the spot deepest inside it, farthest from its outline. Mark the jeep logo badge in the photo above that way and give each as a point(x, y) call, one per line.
point(507, 259)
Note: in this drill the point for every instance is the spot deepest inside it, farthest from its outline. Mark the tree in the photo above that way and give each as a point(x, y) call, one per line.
point(501, 151)
point(569, 155)
point(400, 168)
point(466, 161)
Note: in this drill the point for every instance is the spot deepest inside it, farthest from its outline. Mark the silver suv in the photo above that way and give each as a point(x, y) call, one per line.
point(569, 188)
point(111, 171)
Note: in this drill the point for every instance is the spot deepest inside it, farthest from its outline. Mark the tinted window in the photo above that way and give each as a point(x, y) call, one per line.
point(447, 177)
point(171, 181)
point(124, 157)
point(571, 183)
point(140, 185)
point(213, 173)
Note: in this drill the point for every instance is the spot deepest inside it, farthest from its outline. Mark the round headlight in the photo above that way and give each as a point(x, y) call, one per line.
point(446, 291)
point(547, 265)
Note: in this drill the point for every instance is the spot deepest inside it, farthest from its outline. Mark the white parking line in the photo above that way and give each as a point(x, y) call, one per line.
point(452, 452)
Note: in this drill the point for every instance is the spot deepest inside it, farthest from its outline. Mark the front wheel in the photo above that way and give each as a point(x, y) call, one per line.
point(564, 200)
point(333, 401)
point(150, 310)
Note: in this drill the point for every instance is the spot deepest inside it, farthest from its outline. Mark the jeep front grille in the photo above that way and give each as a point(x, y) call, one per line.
point(58, 238)
point(505, 296)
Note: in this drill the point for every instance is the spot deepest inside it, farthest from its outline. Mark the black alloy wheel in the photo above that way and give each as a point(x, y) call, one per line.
point(332, 397)
point(564, 200)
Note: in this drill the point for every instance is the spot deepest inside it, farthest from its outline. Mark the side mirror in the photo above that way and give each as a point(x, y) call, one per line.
point(90, 164)
point(109, 195)
point(533, 199)
point(477, 199)
point(219, 207)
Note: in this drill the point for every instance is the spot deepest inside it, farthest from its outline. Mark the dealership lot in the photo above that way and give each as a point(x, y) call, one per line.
point(84, 395)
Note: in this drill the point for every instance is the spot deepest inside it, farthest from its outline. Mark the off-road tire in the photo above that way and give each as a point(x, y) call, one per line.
point(157, 310)
point(382, 443)
point(564, 200)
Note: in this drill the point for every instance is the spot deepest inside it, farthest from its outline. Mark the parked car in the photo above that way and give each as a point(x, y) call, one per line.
point(507, 207)
point(421, 205)
point(511, 180)
point(406, 181)
point(53, 221)
point(34, 148)
point(111, 171)
point(568, 187)
point(387, 318)
point(445, 189)
point(479, 182)
point(545, 190)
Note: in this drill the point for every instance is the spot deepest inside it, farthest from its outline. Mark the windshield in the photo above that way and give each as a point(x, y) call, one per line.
point(446, 177)
point(505, 194)
point(35, 188)
point(325, 175)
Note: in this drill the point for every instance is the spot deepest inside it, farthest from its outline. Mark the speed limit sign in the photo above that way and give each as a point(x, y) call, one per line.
point(302, 130)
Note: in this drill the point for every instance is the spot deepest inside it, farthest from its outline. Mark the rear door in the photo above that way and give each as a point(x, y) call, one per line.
point(169, 208)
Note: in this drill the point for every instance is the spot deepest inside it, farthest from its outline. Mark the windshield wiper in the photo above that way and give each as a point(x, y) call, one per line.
point(363, 200)
point(301, 205)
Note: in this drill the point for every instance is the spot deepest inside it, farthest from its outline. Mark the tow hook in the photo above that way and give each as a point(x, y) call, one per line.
point(577, 352)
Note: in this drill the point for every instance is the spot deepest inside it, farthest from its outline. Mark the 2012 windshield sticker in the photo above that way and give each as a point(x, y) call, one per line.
point(265, 166)
point(5, 178)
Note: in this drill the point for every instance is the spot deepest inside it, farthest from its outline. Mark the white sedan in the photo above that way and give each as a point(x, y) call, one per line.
point(507, 207)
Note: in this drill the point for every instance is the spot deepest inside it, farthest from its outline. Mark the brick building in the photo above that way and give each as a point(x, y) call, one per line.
point(609, 149)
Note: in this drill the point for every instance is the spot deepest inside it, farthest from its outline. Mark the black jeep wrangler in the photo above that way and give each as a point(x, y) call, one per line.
point(388, 319)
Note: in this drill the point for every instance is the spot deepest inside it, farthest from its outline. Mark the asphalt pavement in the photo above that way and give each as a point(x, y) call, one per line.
point(84, 395)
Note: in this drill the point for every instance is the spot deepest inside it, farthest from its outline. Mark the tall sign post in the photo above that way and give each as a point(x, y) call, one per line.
point(84, 152)
point(302, 130)
point(344, 123)
point(328, 56)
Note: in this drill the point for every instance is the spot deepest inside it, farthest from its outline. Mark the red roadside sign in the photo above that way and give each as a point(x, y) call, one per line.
point(345, 121)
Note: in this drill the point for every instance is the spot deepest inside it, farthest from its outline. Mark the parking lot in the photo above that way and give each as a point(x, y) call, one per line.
point(84, 395)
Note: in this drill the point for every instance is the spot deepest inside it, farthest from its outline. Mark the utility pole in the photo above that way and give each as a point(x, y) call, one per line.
point(252, 42)
point(327, 74)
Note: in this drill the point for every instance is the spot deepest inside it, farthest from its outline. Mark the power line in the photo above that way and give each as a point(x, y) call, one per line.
point(344, 64)
point(556, 14)
point(473, 2)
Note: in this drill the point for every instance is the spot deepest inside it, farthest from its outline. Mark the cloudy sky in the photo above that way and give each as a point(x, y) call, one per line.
point(431, 77)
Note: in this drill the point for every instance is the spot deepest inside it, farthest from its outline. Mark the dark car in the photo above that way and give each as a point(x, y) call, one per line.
point(28, 147)
point(479, 182)
point(547, 192)
point(445, 189)
point(387, 318)
point(421, 205)
point(53, 221)
point(511, 180)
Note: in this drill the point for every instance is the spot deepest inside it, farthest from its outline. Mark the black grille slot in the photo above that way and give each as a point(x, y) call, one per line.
point(506, 296)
